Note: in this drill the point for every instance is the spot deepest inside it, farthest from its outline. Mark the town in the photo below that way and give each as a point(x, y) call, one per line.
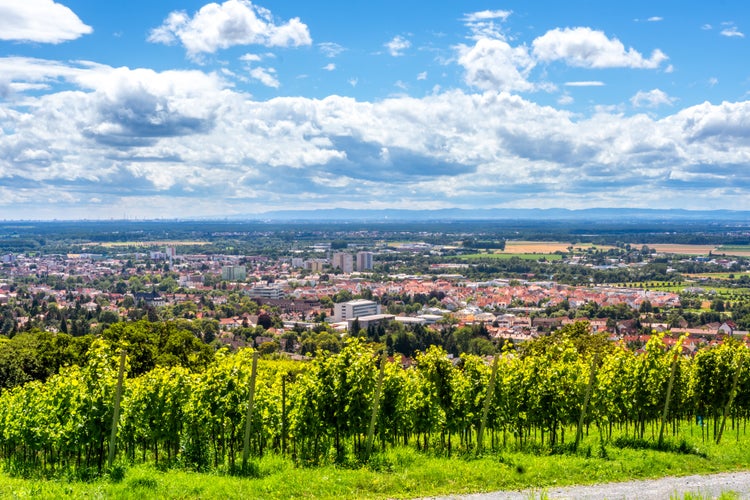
point(306, 295)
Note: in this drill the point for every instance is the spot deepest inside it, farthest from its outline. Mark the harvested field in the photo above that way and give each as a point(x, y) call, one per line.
point(114, 244)
point(546, 246)
point(682, 249)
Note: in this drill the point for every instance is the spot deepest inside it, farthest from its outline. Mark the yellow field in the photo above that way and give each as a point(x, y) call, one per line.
point(546, 247)
point(148, 243)
point(682, 249)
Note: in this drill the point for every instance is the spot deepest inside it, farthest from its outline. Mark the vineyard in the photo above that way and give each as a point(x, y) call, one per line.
point(340, 408)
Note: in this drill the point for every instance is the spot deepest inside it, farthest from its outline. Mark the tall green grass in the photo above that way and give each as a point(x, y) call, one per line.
point(405, 473)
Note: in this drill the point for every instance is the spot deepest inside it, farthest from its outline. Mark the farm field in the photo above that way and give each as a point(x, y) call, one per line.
point(738, 250)
point(164, 243)
point(683, 249)
point(519, 247)
point(715, 276)
point(533, 250)
point(506, 255)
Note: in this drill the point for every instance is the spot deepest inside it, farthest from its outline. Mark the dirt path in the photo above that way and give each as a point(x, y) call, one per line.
point(710, 486)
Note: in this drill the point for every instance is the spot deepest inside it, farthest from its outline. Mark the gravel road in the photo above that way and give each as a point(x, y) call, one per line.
point(710, 486)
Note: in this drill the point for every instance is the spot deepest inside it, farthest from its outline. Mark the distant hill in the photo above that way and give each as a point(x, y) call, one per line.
point(562, 214)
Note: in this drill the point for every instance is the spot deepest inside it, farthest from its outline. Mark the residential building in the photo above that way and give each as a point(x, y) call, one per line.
point(316, 265)
point(343, 261)
point(233, 273)
point(364, 261)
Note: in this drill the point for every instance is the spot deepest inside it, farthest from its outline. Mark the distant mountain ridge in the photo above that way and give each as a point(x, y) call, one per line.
point(603, 214)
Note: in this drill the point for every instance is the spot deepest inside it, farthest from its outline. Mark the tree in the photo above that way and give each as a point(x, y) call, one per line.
point(265, 320)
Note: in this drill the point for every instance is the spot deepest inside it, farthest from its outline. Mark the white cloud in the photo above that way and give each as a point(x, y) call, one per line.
point(397, 46)
point(713, 81)
point(565, 99)
point(495, 65)
point(655, 19)
point(250, 58)
point(485, 15)
point(592, 83)
point(183, 143)
point(732, 32)
point(329, 67)
point(422, 76)
point(482, 24)
point(651, 99)
point(587, 48)
point(42, 21)
point(234, 22)
point(353, 81)
point(330, 49)
point(707, 27)
point(266, 76)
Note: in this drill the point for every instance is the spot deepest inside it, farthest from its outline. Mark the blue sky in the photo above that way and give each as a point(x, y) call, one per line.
point(189, 108)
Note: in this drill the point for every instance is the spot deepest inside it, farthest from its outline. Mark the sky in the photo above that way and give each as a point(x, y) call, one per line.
point(180, 109)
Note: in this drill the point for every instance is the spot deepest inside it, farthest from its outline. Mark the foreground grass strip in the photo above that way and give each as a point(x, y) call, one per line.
point(399, 473)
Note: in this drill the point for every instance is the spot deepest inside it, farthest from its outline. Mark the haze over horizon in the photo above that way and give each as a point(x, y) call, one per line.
point(179, 109)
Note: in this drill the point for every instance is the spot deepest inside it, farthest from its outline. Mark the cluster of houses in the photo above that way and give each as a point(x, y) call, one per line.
point(508, 309)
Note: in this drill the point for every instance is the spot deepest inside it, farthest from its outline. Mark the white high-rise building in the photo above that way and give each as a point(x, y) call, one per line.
point(364, 261)
point(354, 309)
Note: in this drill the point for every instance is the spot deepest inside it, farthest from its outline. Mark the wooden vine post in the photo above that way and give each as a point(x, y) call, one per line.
point(732, 393)
point(586, 398)
point(665, 412)
point(116, 412)
point(376, 405)
point(249, 416)
point(487, 400)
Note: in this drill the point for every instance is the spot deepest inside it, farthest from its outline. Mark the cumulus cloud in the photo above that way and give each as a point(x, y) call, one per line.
point(651, 99)
point(587, 48)
point(329, 67)
point(422, 76)
point(186, 143)
point(42, 21)
point(655, 19)
point(493, 64)
point(234, 22)
point(397, 46)
point(732, 32)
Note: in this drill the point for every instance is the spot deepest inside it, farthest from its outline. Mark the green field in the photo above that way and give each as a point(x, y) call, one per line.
point(506, 256)
point(739, 250)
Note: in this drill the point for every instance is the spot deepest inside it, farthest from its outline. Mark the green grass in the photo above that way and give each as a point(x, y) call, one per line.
point(505, 256)
point(725, 495)
point(404, 473)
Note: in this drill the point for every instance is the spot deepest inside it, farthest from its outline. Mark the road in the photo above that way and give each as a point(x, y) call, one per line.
point(707, 486)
